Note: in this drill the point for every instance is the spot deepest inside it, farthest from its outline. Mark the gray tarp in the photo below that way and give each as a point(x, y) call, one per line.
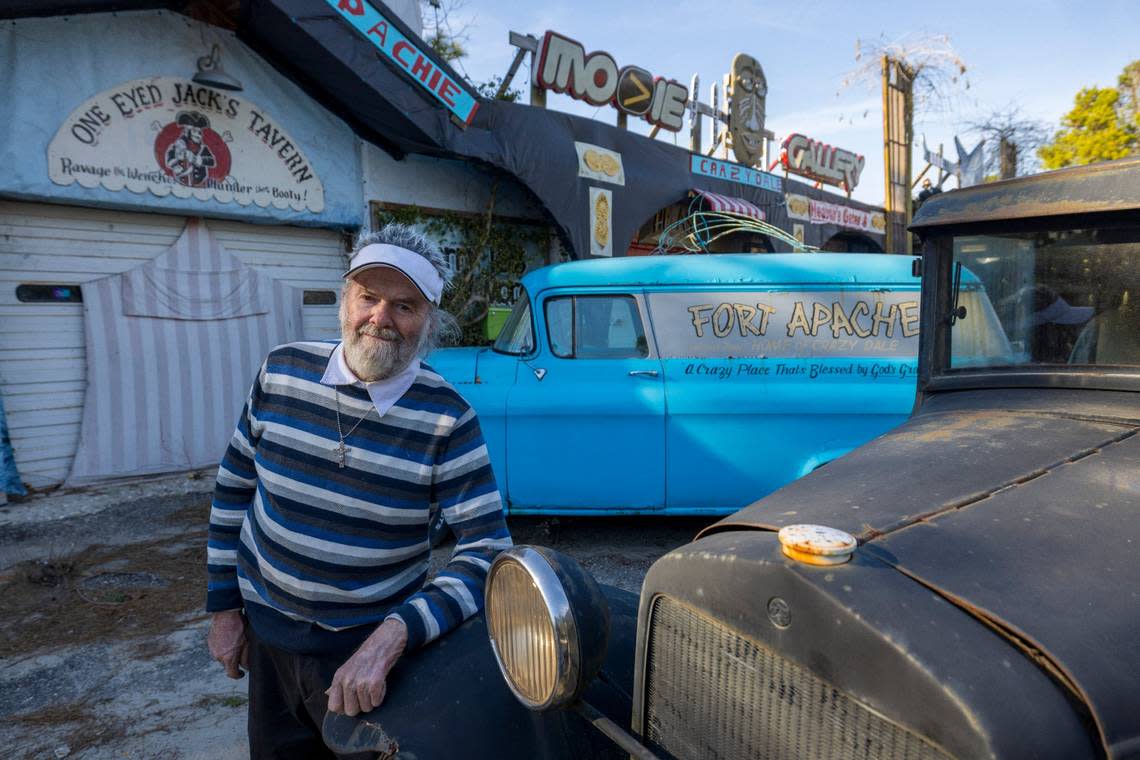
point(172, 348)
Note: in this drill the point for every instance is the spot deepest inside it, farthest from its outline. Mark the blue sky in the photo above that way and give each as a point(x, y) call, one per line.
point(1033, 54)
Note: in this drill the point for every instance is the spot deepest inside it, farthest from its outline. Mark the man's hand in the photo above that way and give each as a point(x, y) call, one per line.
point(228, 643)
point(361, 683)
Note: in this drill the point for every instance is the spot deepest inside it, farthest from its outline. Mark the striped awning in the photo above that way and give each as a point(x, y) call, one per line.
point(718, 202)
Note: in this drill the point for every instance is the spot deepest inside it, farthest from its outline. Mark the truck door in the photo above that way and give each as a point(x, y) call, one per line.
point(763, 386)
point(586, 423)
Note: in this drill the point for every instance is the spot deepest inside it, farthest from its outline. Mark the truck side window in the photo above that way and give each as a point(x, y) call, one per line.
point(595, 327)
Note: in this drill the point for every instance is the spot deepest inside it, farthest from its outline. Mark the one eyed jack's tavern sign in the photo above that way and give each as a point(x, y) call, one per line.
point(821, 162)
point(170, 136)
point(564, 66)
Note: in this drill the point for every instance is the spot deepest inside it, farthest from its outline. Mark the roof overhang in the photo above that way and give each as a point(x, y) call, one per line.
point(1109, 188)
point(312, 45)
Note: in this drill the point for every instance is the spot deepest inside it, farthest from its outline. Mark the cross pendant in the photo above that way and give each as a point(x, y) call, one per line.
point(341, 452)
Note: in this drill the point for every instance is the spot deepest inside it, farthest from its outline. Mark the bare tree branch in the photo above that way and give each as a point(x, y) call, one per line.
point(939, 73)
point(1010, 130)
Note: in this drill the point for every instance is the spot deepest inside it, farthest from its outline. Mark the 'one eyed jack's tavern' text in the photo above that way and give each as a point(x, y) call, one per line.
point(169, 136)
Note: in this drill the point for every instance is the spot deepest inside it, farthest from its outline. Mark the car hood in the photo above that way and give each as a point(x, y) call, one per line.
point(1024, 516)
point(458, 366)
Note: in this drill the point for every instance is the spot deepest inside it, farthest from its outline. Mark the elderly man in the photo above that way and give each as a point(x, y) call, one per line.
point(318, 540)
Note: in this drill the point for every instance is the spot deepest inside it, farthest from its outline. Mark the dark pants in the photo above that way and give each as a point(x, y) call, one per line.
point(287, 702)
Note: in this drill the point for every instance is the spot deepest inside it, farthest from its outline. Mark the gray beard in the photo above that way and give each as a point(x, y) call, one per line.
point(372, 360)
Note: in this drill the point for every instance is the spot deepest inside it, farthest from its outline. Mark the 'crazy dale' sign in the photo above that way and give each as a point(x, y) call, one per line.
point(170, 136)
point(564, 66)
point(821, 162)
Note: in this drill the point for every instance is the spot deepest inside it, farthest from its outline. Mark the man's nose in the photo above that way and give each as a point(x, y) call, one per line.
point(382, 314)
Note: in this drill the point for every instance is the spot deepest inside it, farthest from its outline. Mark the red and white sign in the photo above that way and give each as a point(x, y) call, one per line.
point(564, 66)
point(821, 212)
point(169, 136)
point(821, 162)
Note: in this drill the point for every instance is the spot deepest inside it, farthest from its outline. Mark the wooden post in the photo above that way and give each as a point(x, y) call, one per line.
point(695, 117)
point(1007, 153)
point(898, 135)
point(888, 190)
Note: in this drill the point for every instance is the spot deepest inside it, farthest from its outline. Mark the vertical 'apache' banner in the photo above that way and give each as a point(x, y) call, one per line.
point(401, 51)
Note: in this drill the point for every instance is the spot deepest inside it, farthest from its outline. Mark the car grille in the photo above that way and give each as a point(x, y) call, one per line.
point(712, 694)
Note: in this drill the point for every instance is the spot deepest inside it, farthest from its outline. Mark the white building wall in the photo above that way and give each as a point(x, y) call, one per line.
point(441, 184)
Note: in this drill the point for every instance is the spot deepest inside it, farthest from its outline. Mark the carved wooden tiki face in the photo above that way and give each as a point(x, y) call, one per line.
point(748, 90)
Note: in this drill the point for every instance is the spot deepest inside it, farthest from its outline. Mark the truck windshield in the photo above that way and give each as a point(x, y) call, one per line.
point(1047, 298)
point(517, 335)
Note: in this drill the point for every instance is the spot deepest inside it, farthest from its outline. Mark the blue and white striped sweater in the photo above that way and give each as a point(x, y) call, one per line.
point(295, 534)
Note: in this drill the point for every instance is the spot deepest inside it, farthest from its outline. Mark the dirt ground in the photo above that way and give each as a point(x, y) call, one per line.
point(102, 651)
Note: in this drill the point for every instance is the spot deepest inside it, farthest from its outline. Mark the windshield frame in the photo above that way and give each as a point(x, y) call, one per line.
point(936, 372)
point(524, 298)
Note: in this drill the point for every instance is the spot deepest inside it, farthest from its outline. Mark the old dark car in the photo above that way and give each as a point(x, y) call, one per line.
point(965, 586)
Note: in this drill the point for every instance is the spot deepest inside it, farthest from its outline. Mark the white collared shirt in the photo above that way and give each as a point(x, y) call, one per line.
point(384, 393)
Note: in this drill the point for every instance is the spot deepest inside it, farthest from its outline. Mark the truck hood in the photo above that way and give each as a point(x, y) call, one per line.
point(1025, 516)
point(459, 366)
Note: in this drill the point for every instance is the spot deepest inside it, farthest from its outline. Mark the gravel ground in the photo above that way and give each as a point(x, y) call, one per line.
point(104, 652)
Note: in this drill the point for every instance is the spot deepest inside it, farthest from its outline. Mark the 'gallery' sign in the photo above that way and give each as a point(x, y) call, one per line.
point(564, 66)
point(170, 136)
point(821, 162)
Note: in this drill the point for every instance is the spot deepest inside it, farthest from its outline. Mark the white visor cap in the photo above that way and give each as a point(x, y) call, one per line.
point(408, 263)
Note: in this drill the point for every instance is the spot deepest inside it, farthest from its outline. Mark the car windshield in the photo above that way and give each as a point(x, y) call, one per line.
point(1046, 298)
point(517, 335)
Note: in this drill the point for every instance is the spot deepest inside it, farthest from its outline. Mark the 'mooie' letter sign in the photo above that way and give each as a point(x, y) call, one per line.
point(564, 66)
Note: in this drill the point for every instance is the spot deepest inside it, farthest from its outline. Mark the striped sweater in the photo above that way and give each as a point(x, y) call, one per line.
point(298, 539)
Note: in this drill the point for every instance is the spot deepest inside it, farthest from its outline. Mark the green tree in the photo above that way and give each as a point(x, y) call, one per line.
point(1093, 131)
point(451, 44)
point(1128, 85)
point(449, 48)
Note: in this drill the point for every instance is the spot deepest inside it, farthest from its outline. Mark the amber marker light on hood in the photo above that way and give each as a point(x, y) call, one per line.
point(816, 544)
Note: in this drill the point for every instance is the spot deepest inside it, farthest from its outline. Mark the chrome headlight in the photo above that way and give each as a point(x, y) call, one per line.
point(548, 623)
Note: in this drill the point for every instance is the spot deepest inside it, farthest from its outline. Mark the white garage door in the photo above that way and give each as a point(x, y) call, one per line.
point(42, 359)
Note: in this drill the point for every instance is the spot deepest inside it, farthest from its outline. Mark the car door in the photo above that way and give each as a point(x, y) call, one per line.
point(586, 423)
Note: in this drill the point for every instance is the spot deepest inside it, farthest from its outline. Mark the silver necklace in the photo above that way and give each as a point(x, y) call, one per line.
point(340, 449)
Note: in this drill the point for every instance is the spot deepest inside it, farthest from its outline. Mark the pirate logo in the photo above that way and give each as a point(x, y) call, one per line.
point(748, 90)
point(190, 152)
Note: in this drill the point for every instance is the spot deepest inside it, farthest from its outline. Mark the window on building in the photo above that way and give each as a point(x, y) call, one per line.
point(43, 293)
point(320, 298)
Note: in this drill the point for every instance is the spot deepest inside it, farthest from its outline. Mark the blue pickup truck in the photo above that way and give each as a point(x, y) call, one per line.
point(693, 384)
